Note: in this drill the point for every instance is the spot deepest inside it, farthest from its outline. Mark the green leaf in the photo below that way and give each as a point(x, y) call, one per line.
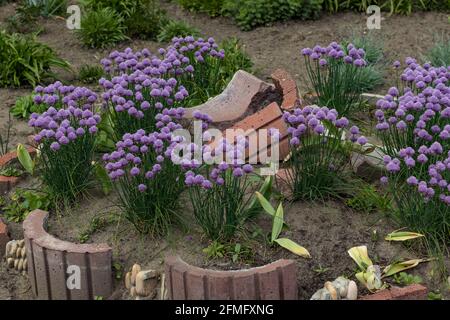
point(278, 223)
point(293, 247)
point(25, 159)
point(403, 236)
point(401, 266)
point(361, 257)
point(265, 191)
point(104, 179)
point(265, 204)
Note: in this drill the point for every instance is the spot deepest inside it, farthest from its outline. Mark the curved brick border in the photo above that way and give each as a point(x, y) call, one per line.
point(7, 183)
point(49, 258)
point(412, 292)
point(276, 281)
point(4, 238)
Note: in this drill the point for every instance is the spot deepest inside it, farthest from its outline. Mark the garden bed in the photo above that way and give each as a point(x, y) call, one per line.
point(326, 228)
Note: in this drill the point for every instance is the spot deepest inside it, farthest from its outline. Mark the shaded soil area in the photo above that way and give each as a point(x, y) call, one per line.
point(327, 230)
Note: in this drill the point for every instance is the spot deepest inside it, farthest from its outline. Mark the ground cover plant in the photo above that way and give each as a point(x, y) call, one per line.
point(137, 19)
point(26, 61)
point(439, 55)
point(66, 134)
point(101, 28)
point(25, 106)
point(335, 74)
point(413, 124)
point(5, 138)
point(90, 73)
point(319, 151)
point(174, 29)
point(373, 74)
point(249, 14)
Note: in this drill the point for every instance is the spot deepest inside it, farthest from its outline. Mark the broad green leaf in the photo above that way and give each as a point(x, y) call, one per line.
point(25, 159)
point(265, 191)
point(360, 256)
point(265, 204)
point(104, 179)
point(278, 222)
point(401, 266)
point(403, 236)
point(293, 247)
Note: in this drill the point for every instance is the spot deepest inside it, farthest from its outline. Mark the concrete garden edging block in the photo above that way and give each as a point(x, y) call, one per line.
point(61, 270)
point(275, 281)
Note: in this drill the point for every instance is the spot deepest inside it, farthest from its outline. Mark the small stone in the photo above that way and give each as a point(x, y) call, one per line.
point(146, 283)
point(332, 290)
point(20, 265)
point(133, 293)
point(23, 253)
point(352, 293)
point(18, 252)
point(13, 249)
point(16, 263)
point(134, 271)
point(128, 280)
point(341, 285)
point(10, 262)
point(25, 264)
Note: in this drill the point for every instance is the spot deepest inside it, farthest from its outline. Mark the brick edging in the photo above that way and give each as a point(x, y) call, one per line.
point(51, 262)
point(275, 281)
point(411, 292)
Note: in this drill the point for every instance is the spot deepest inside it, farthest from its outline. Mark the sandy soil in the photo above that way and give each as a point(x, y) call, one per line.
point(328, 230)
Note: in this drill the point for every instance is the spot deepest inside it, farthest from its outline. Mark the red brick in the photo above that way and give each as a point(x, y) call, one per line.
point(4, 238)
point(274, 281)
point(381, 295)
point(412, 292)
point(291, 101)
point(10, 156)
point(7, 183)
point(287, 86)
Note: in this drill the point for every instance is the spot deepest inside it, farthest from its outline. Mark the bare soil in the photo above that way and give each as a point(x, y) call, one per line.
point(327, 230)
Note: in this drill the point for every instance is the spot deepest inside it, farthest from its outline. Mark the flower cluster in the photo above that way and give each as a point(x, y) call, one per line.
point(425, 170)
point(335, 73)
point(149, 184)
point(218, 184)
point(311, 120)
point(70, 114)
point(318, 153)
point(413, 119)
point(419, 77)
point(335, 51)
point(135, 99)
point(66, 134)
point(141, 155)
point(179, 58)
